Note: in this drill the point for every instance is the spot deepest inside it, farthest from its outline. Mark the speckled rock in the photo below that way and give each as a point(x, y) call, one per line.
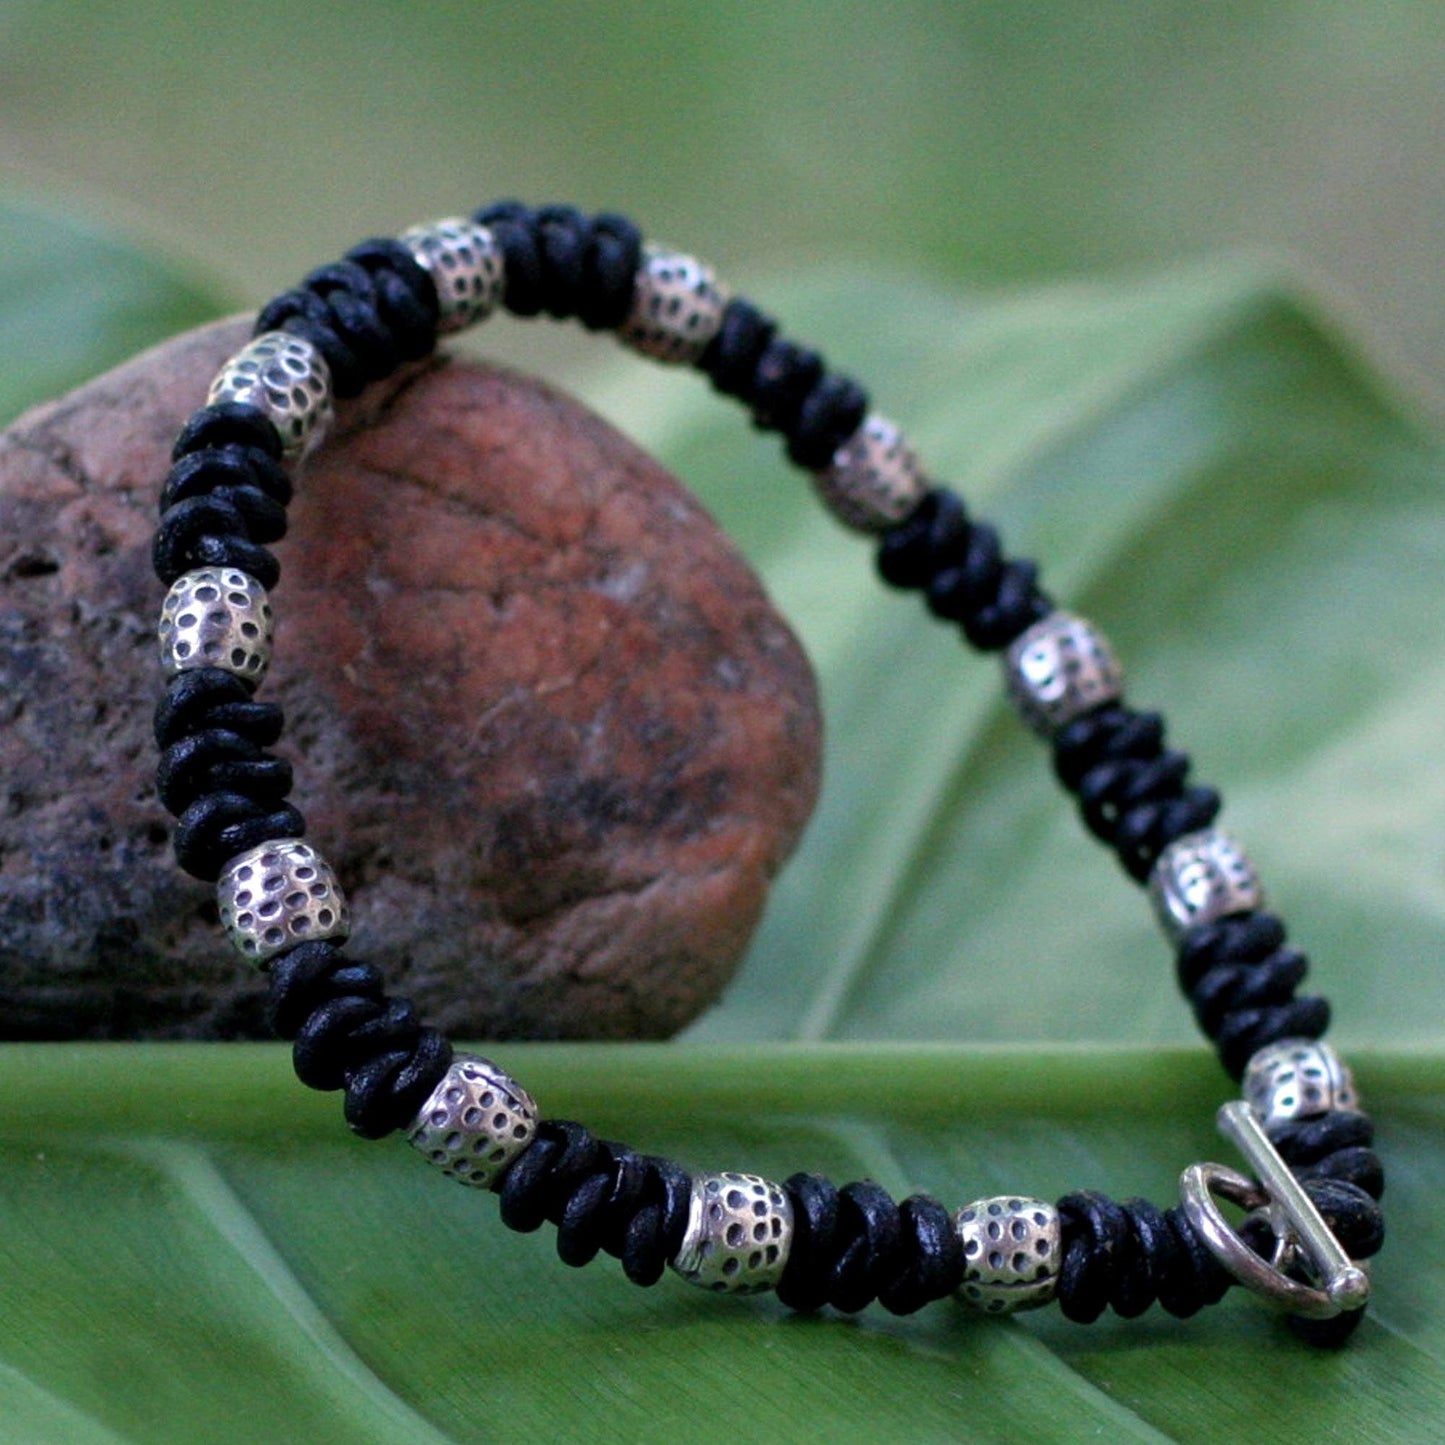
point(546, 726)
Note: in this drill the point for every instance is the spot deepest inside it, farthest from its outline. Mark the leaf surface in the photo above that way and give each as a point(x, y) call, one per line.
point(76, 298)
point(1202, 468)
point(191, 1248)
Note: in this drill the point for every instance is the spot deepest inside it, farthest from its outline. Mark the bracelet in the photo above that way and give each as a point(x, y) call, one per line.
point(1314, 1179)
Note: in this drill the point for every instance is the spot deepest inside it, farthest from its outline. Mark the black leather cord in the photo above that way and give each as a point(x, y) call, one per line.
point(226, 424)
point(853, 1245)
point(567, 264)
point(961, 569)
point(225, 500)
point(349, 1035)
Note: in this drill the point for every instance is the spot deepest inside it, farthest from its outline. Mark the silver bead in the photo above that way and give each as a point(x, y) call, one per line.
point(677, 307)
point(1012, 1253)
point(286, 377)
point(739, 1230)
point(466, 264)
point(216, 617)
point(476, 1122)
point(1059, 669)
point(1200, 878)
point(277, 895)
point(874, 480)
point(1297, 1079)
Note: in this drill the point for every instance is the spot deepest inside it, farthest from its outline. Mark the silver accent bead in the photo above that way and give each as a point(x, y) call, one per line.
point(1059, 669)
point(874, 479)
point(677, 307)
point(476, 1122)
point(277, 895)
point(1201, 878)
point(216, 617)
point(1297, 1079)
point(467, 265)
point(1012, 1253)
point(286, 377)
point(739, 1231)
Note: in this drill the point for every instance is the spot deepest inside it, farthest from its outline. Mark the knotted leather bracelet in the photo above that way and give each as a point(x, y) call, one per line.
point(1315, 1179)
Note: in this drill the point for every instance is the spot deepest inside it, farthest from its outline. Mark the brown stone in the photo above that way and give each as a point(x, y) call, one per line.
point(545, 724)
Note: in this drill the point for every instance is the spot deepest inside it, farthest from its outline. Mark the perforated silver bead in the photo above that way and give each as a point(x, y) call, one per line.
point(1200, 878)
point(467, 265)
point(739, 1230)
point(216, 617)
point(875, 479)
point(287, 378)
point(1012, 1253)
point(477, 1121)
point(677, 307)
point(277, 895)
point(1059, 669)
point(1297, 1079)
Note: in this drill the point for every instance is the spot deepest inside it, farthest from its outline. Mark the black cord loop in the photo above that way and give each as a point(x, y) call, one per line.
point(1129, 1255)
point(236, 470)
point(228, 424)
point(219, 761)
point(961, 568)
point(348, 1034)
point(218, 826)
point(562, 262)
point(211, 697)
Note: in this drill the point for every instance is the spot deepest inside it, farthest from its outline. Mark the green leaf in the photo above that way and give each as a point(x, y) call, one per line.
point(76, 299)
point(1205, 470)
point(192, 1249)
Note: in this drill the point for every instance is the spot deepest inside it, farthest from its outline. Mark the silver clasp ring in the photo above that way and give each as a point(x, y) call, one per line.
point(1302, 1238)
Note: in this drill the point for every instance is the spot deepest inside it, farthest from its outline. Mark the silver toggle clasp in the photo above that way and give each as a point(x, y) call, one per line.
point(1303, 1241)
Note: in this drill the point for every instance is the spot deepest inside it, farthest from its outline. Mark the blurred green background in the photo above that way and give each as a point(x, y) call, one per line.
point(982, 143)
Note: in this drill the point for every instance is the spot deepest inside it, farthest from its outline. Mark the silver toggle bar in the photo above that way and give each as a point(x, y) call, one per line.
point(1300, 1232)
